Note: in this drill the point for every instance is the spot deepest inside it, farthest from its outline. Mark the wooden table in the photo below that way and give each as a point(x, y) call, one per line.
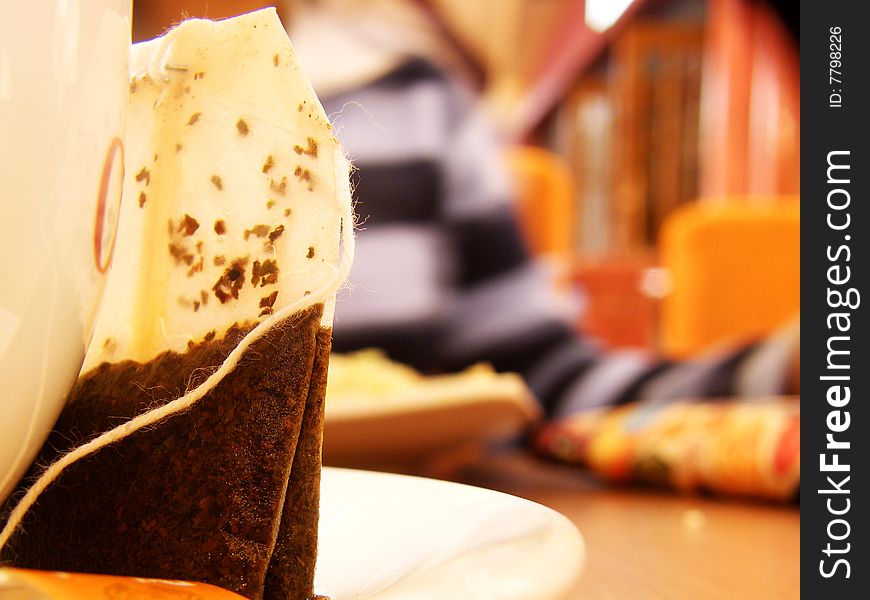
point(647, 544)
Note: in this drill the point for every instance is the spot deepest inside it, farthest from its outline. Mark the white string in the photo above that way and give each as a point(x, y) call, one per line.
point(158, 63)
point(186, 401)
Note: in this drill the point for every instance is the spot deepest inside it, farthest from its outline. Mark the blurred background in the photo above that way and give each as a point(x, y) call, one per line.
point(654, 145)
point(653, 151)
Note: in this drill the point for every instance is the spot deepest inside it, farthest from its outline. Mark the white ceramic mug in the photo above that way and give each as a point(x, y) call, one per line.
point(63, 90)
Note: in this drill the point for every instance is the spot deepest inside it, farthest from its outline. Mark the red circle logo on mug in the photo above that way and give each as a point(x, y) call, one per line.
point(108, 205)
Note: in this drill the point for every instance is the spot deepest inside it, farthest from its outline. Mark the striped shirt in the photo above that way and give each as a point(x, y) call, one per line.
point(442, 278)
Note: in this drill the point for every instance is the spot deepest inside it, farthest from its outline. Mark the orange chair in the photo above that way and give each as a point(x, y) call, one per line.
point(545, 199)
point(735, 270)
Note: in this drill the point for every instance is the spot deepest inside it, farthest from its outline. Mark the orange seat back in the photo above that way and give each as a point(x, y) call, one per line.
point(545, 199)
point(735, 270)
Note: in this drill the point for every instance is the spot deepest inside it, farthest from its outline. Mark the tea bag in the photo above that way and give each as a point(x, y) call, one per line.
point(190, 445)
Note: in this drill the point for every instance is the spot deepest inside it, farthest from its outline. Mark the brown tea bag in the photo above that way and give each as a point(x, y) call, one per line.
point(190, 445)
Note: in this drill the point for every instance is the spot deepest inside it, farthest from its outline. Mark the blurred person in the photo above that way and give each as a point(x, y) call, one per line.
point(442, 277)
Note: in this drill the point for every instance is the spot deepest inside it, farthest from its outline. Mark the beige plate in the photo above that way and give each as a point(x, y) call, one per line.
point(415, 424)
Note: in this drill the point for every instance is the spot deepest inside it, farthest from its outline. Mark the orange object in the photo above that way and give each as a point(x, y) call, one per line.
point(545, 199)
point(750, 107)
point(55, 585)
point(617, 312)
point(735, 270)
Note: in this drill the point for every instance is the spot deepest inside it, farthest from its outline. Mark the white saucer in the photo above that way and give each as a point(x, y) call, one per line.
point(394, 537)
